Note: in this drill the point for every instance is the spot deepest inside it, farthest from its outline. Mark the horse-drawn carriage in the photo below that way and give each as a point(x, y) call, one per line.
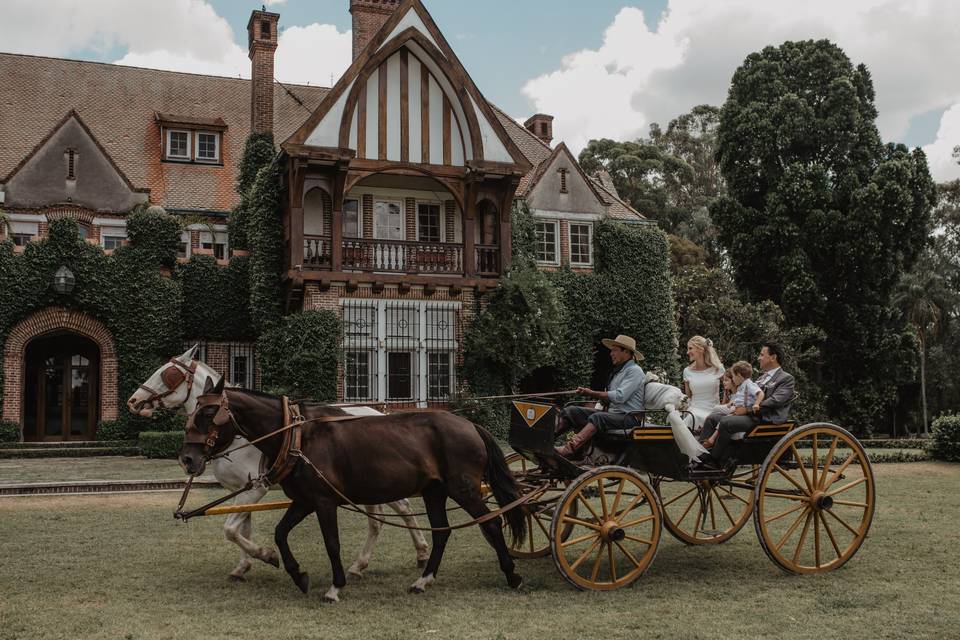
point(810, 490)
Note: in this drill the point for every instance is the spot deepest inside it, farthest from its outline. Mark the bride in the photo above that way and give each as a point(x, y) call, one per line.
point(701, 380)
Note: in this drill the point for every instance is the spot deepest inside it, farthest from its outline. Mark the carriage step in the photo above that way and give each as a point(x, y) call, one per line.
point(69, 452)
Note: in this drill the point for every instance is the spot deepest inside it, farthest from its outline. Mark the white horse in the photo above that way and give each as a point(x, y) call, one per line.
point(176, 386)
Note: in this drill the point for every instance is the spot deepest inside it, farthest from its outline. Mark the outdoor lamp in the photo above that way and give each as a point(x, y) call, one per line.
point(63, 281)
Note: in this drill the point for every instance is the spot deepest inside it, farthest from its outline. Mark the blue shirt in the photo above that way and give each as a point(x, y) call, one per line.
point(626, 389)
point(746, 394)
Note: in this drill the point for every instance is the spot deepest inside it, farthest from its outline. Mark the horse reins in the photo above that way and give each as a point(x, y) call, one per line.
point(286, 461)
point(172, 379)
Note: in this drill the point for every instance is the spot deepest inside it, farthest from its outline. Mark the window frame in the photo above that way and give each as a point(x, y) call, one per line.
point(213, 242)
point(168, 140)
point(403, 226)
point(589, 225)
point(556, 241)
point(235, 351)
point(440, 220)
point(114, 233)
point(359, 201)
point(216, 147)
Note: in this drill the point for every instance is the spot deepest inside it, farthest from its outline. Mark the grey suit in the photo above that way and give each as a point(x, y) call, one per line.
point(778, 394)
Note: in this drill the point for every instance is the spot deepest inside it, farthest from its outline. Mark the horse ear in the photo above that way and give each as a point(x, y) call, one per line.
point(218, 388)
point(192, 351)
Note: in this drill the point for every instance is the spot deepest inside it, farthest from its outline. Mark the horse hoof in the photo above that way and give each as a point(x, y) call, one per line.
point(237, 578)
point(515, 581)
point(354, 575)
point(415, 589)
point(331, 595)
point(303, 582)
point(270, 557)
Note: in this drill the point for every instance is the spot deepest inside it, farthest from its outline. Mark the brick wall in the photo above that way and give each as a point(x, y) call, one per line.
point(263, 46)
point(47, 321)
point(368, 17)
point(367, 215)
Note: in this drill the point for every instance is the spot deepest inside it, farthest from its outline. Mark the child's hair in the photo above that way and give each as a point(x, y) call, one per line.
point(742, 368)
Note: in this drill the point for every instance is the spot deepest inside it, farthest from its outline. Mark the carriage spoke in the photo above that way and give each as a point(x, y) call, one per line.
point(530, 529)
point(784, 514)
point(793, 527)
point(596, 543)
point(582, 523)
point(803, 537)
point(813, 471)
point(603, 497)
point(816, 537)
point(675, 498)
point(627, 553)
point(849, 485)
point(850, 503)
point(543, 528)
point(839, 472)
point(613, 565)
point(689, 506)
point(584, 538)
point(833, 540)
point(827, 462)
point(724, 507)
point(713, 512)
point(731, 493)
point(786, 475)
point(787, 496)
point(634, 523)
point(633, 503)
point(640, 540)
point(589, 508)
point(846, 526)
point(803, 469)
point(596, 563)
point(616, 500)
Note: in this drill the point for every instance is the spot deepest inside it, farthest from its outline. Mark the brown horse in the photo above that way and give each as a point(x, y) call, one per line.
point(370, 460)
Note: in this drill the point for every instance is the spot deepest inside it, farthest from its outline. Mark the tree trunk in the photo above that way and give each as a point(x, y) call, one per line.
point(923, 381)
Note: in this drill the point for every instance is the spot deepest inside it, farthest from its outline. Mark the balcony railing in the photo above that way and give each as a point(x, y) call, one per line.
point(397, 256)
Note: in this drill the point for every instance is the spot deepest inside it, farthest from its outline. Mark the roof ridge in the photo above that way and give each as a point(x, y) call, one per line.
point(116, 65)
point(531, 134)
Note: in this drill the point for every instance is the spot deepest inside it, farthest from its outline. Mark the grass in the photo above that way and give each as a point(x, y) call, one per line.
point(24, 470)
point(118, 566)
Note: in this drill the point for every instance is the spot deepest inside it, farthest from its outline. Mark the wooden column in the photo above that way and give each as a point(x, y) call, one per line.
point(469, 231)
point(506, 224)
point(297, 175)
point(336, 240)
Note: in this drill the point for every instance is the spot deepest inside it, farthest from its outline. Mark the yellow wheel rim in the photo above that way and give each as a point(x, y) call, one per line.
point(539, 515)
point(615, 523)
point(815, 499)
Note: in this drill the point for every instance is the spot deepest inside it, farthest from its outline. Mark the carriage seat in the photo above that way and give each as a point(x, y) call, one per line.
point(766, 429)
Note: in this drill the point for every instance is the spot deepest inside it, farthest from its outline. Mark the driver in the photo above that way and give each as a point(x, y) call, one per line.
point(624, 394)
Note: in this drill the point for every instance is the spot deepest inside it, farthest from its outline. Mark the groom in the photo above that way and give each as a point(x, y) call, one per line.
point(778, 393)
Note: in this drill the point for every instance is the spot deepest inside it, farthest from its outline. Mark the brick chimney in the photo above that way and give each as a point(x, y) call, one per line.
point(541, 125)
point(368, 17)
point(262, 42)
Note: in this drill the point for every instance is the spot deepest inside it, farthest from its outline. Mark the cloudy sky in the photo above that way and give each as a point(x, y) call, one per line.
point(604, 68)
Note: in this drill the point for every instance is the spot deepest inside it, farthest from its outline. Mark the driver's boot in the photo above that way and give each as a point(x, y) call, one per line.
point(577, 441)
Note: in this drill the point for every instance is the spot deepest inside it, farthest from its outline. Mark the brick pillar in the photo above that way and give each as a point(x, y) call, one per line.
point(262, 42)
point(368, 17)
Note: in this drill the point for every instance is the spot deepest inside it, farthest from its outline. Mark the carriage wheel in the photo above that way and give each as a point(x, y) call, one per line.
point(815, 499)
point(724, 508)
point(614, 539)
point(538, 515)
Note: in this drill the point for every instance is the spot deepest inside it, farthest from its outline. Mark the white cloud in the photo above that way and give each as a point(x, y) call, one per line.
point(273, 3)
point(943, 166)
point(176, 35)
point(639, 75)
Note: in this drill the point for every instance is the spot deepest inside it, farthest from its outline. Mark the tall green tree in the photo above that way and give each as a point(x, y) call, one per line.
point(821, 217)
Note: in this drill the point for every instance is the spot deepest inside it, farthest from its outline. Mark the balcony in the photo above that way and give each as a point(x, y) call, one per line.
point(399, 256)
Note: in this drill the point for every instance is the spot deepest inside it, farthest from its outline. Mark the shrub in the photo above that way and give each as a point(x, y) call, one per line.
point(161, 444)
point(113, 430)
point(946, 438)
point(9, 431)
point(299, 357)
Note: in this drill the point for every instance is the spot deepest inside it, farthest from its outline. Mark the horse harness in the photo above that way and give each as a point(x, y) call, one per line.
point(172, 378)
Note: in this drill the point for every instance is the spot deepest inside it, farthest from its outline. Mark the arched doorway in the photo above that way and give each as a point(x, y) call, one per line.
point(61, 394)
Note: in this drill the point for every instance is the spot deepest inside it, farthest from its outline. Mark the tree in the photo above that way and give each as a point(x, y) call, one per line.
point(821, 217)
point(924, 298)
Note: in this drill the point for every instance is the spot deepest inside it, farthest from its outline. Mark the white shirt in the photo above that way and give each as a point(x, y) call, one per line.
point(765, 378)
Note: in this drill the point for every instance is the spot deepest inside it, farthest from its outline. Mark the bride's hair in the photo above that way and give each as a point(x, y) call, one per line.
point(710, 357)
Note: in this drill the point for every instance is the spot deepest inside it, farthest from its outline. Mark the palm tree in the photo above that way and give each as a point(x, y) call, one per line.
point(925, 299)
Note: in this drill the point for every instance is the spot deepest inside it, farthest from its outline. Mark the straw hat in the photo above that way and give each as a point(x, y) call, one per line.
point(625, 342)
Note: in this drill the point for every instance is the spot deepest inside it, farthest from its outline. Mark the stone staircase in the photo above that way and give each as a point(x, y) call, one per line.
point(75, 449)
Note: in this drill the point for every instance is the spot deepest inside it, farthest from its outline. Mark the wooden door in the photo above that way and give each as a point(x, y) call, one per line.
point(67, 390)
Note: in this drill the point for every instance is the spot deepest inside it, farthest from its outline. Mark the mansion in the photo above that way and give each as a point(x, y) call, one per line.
point(398, 185)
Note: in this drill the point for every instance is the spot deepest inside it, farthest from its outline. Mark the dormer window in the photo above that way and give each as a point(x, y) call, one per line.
point(191, 139)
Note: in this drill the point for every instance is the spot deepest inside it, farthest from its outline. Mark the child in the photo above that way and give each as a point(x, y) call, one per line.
point(726, 381)
point(747, 394)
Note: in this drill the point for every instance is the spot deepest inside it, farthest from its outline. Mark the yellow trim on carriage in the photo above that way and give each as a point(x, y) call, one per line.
point(654, 433)
point(768, 430)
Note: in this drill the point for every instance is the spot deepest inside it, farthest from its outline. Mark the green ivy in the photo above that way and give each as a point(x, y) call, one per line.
point(9, 431)
point(265, 232)
point(203, 281)
point(257, 153)
point(298, 357)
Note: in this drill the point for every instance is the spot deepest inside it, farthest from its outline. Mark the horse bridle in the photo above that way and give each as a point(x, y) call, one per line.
point(223, 415)
point(172, 378)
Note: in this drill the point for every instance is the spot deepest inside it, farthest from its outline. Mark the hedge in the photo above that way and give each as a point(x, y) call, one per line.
point(161, 444)
point(946, 438)
point(9, 431)
point(299, 357)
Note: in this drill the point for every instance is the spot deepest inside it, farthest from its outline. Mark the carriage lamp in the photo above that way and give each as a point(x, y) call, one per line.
point(63, 281)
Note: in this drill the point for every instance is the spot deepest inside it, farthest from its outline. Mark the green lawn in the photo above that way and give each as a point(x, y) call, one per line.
point(119, 566)
point(19, 471)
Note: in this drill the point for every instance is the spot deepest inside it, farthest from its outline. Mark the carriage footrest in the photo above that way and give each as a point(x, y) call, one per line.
point(708, 474)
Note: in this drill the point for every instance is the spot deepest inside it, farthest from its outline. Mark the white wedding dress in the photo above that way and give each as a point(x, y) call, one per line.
point(704, 392)
point(664, 397)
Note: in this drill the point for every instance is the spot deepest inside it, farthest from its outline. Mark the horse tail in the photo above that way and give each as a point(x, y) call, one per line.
point(504, 486)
